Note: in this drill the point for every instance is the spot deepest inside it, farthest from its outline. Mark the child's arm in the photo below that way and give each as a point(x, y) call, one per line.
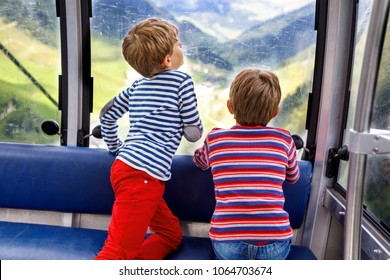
point(192, 133)
point(110, 113)
point(292, 170)
point(201, 156)
point(193, 128)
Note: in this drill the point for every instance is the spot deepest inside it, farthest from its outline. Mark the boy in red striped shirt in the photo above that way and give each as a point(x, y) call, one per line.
point(249, 163)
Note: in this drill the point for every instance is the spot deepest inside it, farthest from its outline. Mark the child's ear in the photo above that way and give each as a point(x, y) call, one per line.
point(229, 106)
point(167, 61)
point(276, 112)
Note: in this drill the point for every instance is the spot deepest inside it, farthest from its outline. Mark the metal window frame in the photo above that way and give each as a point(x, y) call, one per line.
point(75, 81)
point(315, 96)
point(333, 95)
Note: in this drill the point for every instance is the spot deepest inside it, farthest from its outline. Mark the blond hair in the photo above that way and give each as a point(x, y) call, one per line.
point(147, 44)
point(254, 97)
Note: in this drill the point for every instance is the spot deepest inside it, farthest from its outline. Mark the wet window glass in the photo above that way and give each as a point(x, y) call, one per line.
point(377, 173)
point(363, 20)
point(377, 179)
point(219, 39)
point(29, 69)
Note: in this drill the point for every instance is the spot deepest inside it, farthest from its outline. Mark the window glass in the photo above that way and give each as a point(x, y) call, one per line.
point(377, 173)
point(29, 69)
point(364, 13)
point(377, 179)
point(219, 38)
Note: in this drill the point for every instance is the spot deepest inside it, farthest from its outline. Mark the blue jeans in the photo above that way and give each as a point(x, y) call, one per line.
point(238, 250)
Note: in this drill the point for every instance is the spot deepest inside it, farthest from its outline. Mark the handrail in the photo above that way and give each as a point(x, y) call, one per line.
point(357, 161)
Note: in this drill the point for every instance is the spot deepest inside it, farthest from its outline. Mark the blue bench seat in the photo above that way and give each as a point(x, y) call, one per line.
point(76, 180)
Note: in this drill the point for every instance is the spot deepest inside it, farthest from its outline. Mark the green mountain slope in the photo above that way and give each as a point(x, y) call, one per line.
point(24, 106)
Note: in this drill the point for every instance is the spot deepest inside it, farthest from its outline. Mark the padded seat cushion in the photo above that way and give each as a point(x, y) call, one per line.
point(43, 242)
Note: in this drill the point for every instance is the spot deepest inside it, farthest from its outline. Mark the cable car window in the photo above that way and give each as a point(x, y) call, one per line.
point(377, 181)
point(29, 68)
point(364, 12)
point(377, 174)
point(219, 39)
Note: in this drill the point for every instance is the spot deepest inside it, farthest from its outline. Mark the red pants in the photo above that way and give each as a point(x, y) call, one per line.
point(139, 205)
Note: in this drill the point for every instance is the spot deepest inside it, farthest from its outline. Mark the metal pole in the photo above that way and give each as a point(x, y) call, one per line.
point(357, 162)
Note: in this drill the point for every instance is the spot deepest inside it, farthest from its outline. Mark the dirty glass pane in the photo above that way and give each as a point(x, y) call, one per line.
point(29, 68)
point(377, 177)
point(220, 38)
point(363, 20)
point(377, 173)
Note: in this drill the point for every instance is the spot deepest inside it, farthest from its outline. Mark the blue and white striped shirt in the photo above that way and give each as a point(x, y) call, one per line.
point(159, 109)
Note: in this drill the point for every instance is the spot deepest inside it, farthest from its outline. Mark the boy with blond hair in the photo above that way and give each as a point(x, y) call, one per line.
point(249, 163)
point(162, 108)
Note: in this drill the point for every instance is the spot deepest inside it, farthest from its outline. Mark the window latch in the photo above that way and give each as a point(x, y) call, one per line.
point(333, 161)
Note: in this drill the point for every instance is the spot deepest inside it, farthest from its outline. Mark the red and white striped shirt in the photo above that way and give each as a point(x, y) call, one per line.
point(249, 166)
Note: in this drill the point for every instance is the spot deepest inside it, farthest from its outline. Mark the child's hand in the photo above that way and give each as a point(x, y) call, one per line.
point(115, 152)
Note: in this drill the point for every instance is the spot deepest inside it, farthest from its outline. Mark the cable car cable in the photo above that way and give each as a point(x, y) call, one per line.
point(24, 70)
